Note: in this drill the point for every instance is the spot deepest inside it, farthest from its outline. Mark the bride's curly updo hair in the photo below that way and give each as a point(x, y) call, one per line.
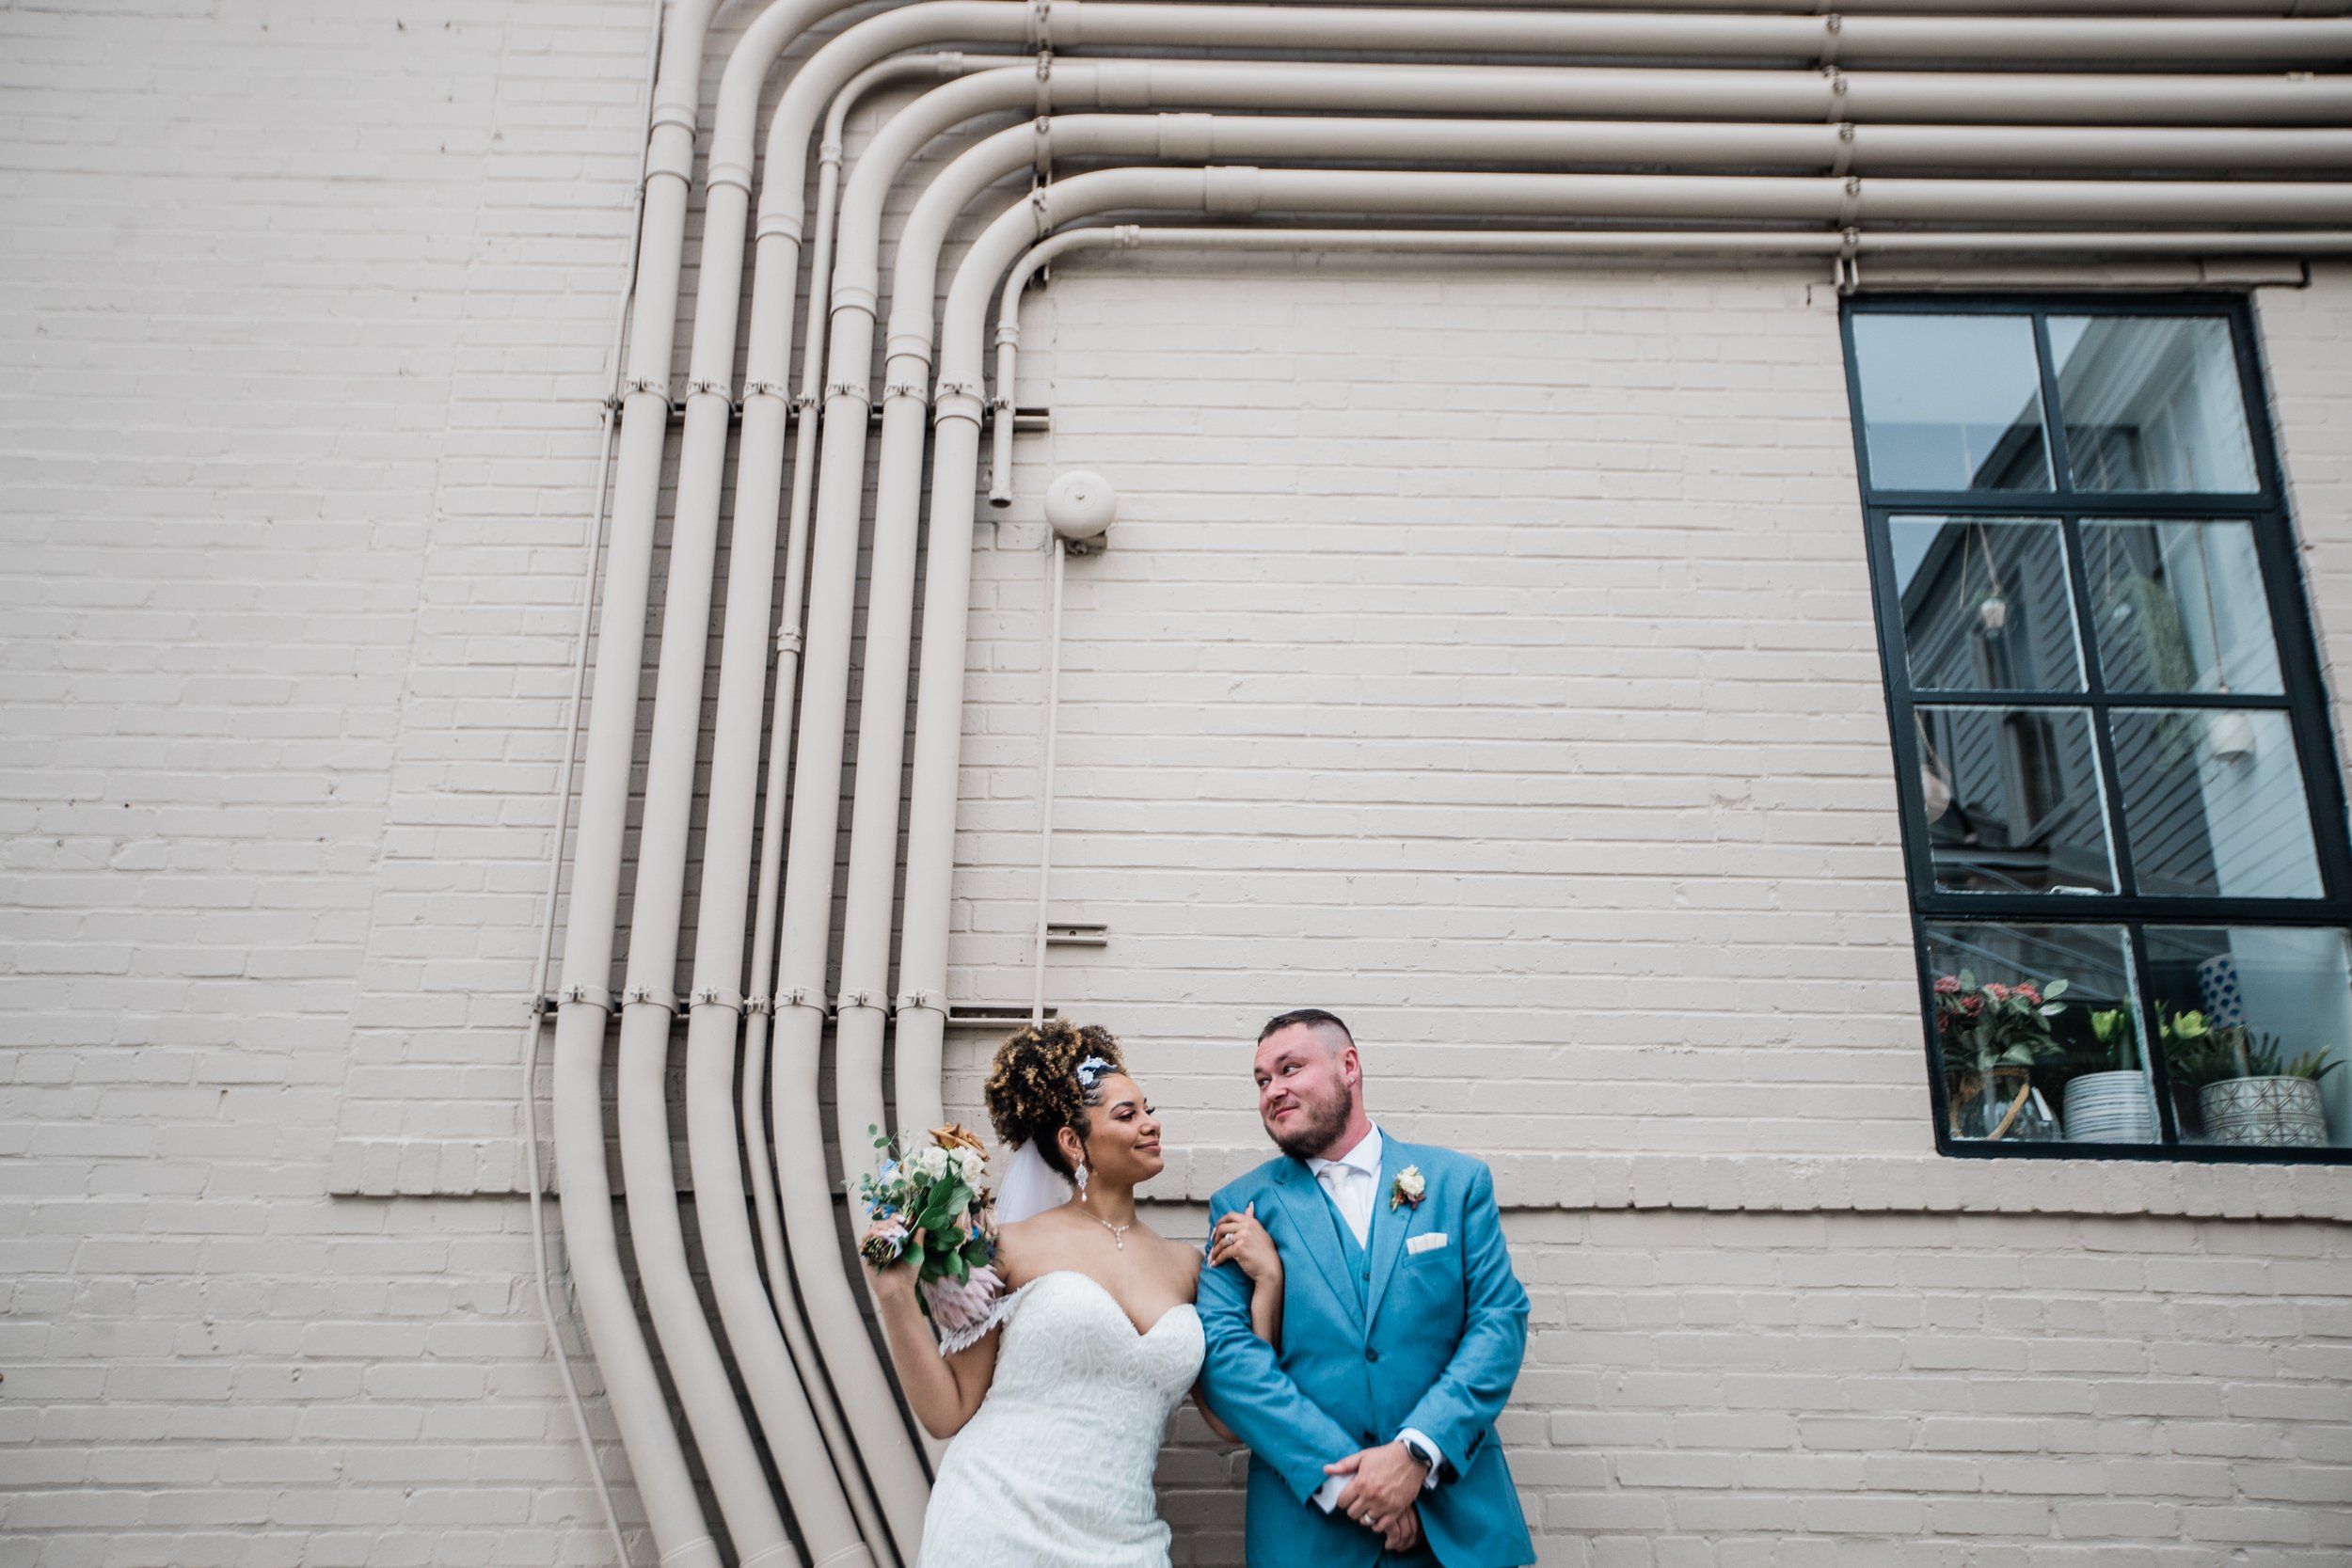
point(1034, 1088)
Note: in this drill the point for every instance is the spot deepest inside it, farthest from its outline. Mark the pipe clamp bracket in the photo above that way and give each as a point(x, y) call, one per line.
point(711, 996)
point(595, 996)
point(1833, 26)
point(857, 999)
point(709, 388)
point(649, 996)
point(1844, 160)
point(930, 1000)
point(857, 390)
point(789, 642)
point(763, 1005)
point(1836, 93)
point(1849, 202)
point(798, 996)
point(894, 389)
point(762, 390)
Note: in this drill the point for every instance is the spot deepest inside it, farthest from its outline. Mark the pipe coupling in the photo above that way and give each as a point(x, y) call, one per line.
point(784, 226)
point(789, 642)
point(730, 176)
point(1230, 189)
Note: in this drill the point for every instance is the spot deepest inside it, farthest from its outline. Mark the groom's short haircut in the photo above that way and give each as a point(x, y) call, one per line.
point(1325, 1024)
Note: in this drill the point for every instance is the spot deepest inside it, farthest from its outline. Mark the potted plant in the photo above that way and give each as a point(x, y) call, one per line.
point(2109, 1102)
point(2267, 1101)
point(2195, 1052)
point(1991, 1037)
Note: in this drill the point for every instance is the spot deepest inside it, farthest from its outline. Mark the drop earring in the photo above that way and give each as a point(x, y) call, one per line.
point(1080, 1177)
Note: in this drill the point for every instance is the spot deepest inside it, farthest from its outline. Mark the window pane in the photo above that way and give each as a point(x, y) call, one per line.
point(1950, 403)
point(2073, 1019)
point(2256, 1026)
point(1986, 604)
point(2213, 802)
point(2152, 403)
point(2012, 801)
point(2180, 608)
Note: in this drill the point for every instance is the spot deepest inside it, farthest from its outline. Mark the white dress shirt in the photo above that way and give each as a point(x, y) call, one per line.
point(1352, 1182)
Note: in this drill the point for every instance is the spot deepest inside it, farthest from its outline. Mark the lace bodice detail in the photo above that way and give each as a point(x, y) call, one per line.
point(1055, 1470)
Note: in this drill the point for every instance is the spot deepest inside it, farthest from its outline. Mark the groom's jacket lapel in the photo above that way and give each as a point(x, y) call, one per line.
point(1311, 1221)
point(1389, 1223)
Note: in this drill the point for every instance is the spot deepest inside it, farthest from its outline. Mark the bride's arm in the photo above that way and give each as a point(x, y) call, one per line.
point(944, 1390)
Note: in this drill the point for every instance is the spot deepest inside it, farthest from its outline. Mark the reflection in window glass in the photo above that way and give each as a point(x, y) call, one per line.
point(1952, 402)
point(2256, 1029)
point(2152, 403)
point(2180, 607)
point(2013, 799)
point(2213, 803)
point(2045, 1006)
point(1986, 604)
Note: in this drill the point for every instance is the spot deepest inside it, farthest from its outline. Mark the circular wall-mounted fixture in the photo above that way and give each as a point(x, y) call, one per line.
point(1079, 506)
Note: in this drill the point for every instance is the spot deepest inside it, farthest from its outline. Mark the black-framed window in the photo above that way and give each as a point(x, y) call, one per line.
point(2124, 820)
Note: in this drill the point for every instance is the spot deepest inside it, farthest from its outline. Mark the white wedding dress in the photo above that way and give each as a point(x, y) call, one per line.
point(1054, 1470)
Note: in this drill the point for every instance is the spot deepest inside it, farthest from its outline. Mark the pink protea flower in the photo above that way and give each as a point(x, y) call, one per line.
point(1997, 992)
point(2027, 993)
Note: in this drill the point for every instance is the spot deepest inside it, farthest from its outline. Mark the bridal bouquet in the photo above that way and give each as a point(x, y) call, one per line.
point(927, 1209)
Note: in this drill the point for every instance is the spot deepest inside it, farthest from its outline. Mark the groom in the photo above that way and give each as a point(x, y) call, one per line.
point(1372, 1430)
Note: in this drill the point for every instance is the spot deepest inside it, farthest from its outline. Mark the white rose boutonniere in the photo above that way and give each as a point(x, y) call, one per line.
point(1407, 1190)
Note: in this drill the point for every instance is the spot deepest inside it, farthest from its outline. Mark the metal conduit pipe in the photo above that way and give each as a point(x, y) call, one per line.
point(758, 1003)
point(921, 1003)
point(1137, 84)
point(960, 402)
point(689, 1346)
point(657, 1457)
point(1592, 242)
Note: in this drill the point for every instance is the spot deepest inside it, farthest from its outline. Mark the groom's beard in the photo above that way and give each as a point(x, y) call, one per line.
point(1316, 1127)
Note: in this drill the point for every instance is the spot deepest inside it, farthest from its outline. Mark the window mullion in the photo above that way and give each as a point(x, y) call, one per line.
point(2095, 697)
point(2152, 1037)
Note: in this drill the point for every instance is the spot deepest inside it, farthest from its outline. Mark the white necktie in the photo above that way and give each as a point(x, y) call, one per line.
point(1339, 1182)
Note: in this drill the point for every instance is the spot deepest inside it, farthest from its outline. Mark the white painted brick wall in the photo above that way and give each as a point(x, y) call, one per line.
point(1487, 648)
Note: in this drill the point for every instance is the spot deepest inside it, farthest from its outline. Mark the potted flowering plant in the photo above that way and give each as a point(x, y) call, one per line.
point(2110, 1102)
point(1991, 1036)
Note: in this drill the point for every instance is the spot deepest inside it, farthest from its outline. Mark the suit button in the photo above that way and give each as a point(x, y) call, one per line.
point(1370, 1440)
point(1371, 1355)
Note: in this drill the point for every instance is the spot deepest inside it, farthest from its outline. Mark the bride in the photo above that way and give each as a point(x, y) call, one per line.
point(1057, 1381)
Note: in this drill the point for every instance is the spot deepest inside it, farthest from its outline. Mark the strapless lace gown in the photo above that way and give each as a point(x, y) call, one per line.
point(1054, 1470)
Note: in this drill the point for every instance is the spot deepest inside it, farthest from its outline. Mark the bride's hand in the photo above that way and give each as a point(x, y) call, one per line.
point(1240, 1238)
point(891, 1281)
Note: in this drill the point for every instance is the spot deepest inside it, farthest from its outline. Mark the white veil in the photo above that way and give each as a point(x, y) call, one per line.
point(1029, 1186)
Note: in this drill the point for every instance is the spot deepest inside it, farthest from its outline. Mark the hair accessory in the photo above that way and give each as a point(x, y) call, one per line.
point(1090, 1073)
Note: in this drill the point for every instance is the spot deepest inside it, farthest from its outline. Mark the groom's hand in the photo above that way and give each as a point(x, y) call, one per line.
point(1387, 1483)
point(1404, 1532)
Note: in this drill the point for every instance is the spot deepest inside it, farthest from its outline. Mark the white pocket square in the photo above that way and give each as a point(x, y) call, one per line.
point(1429, 1242)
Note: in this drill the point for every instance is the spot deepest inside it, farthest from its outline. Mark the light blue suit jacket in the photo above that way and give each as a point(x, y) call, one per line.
point(1374, 1340)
